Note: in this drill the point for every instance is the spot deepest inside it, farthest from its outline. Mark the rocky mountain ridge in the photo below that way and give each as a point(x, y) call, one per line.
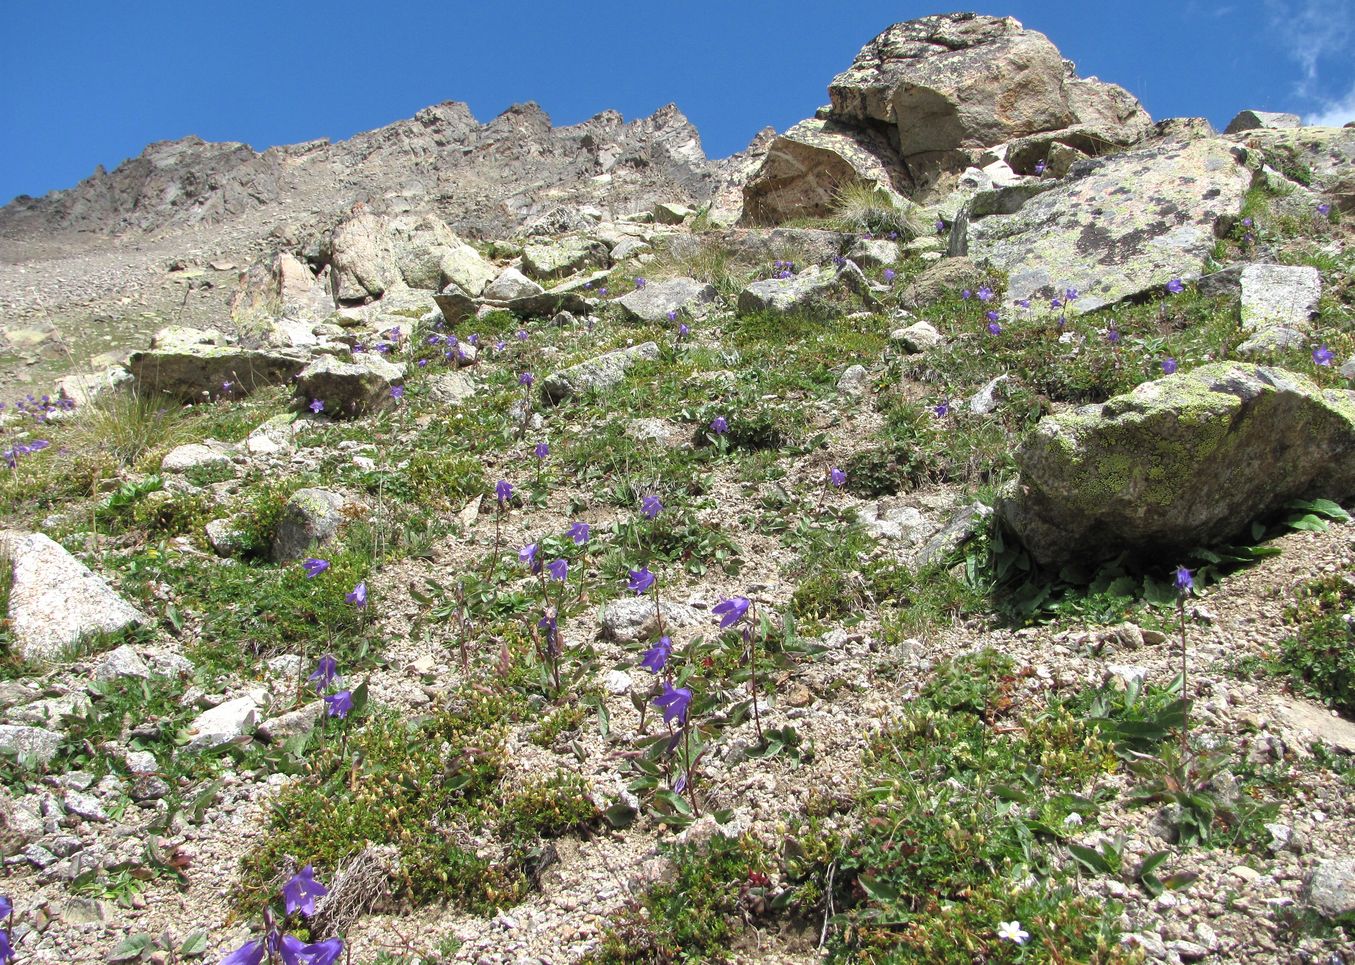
point(485, 179)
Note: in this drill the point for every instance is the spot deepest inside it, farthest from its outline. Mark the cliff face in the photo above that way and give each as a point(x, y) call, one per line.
point(484, 179)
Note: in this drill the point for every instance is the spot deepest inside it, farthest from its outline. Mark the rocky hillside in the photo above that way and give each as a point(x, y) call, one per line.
point(920, 539)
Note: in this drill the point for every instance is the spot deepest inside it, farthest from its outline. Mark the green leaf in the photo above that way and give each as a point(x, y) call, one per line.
point(1090, 860)
point(1152, 862)
point(132, 949)
point(620, 816)
point(194, 945)
point(877, 889)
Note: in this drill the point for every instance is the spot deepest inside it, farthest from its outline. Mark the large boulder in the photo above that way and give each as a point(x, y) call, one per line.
point(1179, 462)
point(349, 388)
point(806, 168)
point(371, 254)
point(190, 365)
point(311, 518)
point(1255, 120)
point(509, 285)
point(282, 288)
point(782, 295)
point(54, 599)
point(563, 257)
point(1117, 226)
point(967, 81)
point(601, 373)
point(1322, 158)
point(652, 303)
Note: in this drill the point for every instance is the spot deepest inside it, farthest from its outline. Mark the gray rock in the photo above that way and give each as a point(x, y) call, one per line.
point(987, 399)
point(630, 248)
point(455, 305)
point(223, 723)
point(85, 806)
point(225, 537)
point(784, 295)
point(1117, 226)
point(904, 524)
point(1272, 340)
point(665, 212)
point(1179, 462)
point(686, 296)
point(83, 388)
point(39, 742)
point(55, 600)
point(141, 762)
point(946, 278)
point(1330, 887)
point(511, 284)
point(451, 387)
point(349, 388)
point(960, 80)
point(190, 369)
point(281, 288)
point(274, 436)
point(855, 381)
point(805, 168)
point(962, 527)
point(310, 519)
point(121, 662)
point(601, 373)
point(917, 337)
point(1280, 296)
point(874, 253)
point(563, 257)
point(660, 431)
point(171, 665)
point(51, 711)
point(16, 692)
point(198, 455)
point(1254, 120)
point(1327, 154)
point(371, 255)
point(280, 729)
point(635, 618)
point(39, 857)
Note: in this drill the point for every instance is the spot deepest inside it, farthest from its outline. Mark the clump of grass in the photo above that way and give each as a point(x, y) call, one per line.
point(865, 208)
point(128, 427)
point(433, 789)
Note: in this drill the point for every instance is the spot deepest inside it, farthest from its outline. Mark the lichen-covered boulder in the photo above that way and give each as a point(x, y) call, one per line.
point(598, 373)
point(191, 365)
point(1324, 157)
point(1253, 120)
point(1117, 226)
point(349, 388)
point(806, 168)
point(371, 254)
point(311, 518)
point(652, 303)
point(564, 256)
point(1179, 462)
point(1278, 304)
point(786, 294)
point(281, 288)
point(54, 599)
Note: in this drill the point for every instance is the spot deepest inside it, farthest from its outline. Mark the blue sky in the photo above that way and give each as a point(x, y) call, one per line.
point(85, 83)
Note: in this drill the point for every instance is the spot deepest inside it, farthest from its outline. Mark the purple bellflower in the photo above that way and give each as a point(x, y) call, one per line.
point(503, 491)
point(1322, 355)
point(339, 704)
point(325, 672)
point(314, 567)
point(640, 580)
point(1168, 366)
point(837, 477)
point(317, 406)
point(656, 657)
point(300, 892)
point(558, 569)
point(650, 506)
point(1184, 581)
point(359, 595)
point(578, 533)
point(674, 702)
point(719, 425)
point(731, 611)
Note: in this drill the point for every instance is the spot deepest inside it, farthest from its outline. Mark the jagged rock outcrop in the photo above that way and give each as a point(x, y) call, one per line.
point(1180, 462)
point(922, 101)
point(482, 179)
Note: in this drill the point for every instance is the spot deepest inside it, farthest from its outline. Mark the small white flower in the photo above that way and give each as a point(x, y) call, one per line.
point(1073, 820)
point(1011, 930)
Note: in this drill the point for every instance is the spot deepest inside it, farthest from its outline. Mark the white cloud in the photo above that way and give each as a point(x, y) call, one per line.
point(1334, 113)
point(1312, 31)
